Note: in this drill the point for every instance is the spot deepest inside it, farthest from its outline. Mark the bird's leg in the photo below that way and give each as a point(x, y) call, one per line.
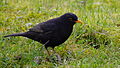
point(46, 48)
point(47, 51)
point(53, 50)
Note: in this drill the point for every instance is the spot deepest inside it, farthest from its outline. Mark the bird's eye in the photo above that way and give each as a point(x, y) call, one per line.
point(70, 18)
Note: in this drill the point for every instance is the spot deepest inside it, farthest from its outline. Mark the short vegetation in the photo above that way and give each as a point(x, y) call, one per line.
point(95, 44)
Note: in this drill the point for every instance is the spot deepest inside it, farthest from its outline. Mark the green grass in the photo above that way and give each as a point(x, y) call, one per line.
point(101, 30)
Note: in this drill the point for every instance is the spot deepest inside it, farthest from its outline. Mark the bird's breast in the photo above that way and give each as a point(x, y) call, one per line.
point(62, 34)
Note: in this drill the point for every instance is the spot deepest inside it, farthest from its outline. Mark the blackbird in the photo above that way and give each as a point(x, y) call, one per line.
point(52, 32)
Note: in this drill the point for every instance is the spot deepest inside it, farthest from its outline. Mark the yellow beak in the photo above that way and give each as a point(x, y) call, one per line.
point(79, 21)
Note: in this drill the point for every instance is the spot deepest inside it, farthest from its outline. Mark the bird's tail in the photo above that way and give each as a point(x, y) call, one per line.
point(17, 34)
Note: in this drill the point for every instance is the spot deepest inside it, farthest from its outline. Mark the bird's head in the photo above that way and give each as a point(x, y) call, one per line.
point(71, 18)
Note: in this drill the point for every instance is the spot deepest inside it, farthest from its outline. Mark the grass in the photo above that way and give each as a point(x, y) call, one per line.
point(92, 45)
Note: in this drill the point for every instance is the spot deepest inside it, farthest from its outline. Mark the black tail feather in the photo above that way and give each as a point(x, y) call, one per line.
point(17, 34)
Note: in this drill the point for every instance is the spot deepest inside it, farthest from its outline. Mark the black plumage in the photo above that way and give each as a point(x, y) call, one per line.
point(52, 32)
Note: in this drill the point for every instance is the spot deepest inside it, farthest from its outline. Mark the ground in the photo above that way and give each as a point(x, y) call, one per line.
point(92, 45)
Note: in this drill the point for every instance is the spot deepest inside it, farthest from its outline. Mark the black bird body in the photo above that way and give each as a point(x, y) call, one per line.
point(55, 31)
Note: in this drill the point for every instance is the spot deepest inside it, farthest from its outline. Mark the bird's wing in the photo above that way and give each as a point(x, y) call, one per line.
point(44, 28)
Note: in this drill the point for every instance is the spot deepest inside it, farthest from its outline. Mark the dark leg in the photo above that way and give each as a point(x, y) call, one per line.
point(47, 51)
point(53, 50)
point(46, 47)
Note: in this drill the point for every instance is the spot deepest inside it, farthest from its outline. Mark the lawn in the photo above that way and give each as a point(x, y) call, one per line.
point(95, 44)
